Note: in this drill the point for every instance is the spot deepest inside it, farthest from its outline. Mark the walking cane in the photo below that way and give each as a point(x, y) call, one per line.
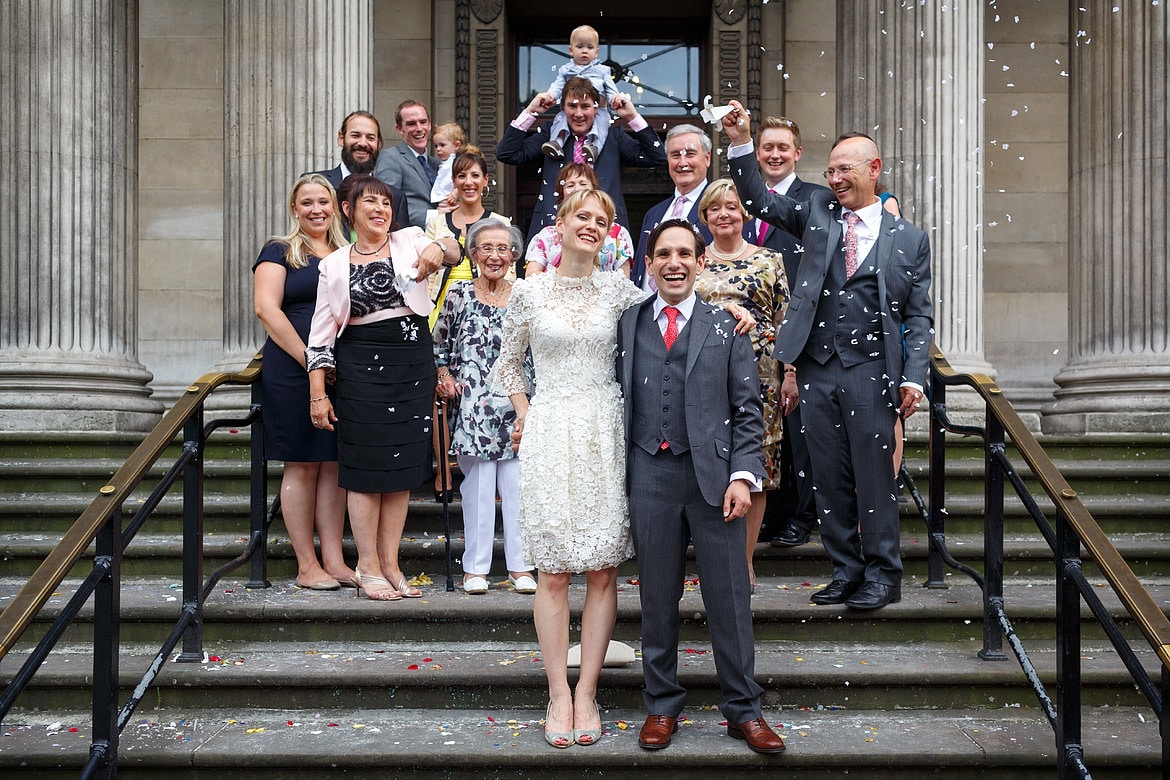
point(446, 492)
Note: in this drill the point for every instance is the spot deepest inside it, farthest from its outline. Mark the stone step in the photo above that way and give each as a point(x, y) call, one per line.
point(780, 606)
point(85, 474)
point(502, 675)
point(471, 744)
point(158, 554)
point(1134, 513)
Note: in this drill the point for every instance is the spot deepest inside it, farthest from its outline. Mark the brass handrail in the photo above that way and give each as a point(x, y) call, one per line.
point(1133, 595)
point(20, 612)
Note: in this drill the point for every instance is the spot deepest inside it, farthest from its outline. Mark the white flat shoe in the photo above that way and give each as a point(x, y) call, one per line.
point(523, 583)
point(475, 586)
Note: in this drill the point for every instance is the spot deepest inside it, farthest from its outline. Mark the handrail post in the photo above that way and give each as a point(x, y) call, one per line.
point(993, 482)
point(193, 538)
point(1164, 724)
point(936, 526)
point(106, 633)
point(1068, 649)
point(259, 494)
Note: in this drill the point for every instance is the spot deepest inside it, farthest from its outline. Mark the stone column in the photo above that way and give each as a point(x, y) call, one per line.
point(69, 224)
point(293, 70)
point(1118, 374)
point(911, 76)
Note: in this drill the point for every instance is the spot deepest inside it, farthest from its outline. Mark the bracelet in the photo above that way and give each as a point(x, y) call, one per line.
point(790, 371)
point(444, 375)
point(315, 400)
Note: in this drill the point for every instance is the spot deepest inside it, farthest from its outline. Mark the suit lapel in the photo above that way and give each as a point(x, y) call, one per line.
point(628, 327)
point(702, 321)
point(412, 164)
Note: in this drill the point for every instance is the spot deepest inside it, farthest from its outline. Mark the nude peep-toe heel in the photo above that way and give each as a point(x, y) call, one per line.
point(587, 737)
point(382, 591)
point(558, 739)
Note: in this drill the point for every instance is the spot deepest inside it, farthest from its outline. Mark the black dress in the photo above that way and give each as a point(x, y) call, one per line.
point(385, 389)
point(289, 434)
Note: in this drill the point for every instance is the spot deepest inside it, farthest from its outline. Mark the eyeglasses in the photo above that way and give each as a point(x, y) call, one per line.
point(831, 172)
point(497, 251)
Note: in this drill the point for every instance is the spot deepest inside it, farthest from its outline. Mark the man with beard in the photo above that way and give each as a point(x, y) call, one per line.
point(360, 139)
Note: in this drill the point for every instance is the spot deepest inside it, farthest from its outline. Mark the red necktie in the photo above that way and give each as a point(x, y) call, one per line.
point(851, 221)
point(669, 335)
point(671, 332)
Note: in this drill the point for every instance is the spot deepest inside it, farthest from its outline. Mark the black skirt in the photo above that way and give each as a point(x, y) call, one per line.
point(384, 396)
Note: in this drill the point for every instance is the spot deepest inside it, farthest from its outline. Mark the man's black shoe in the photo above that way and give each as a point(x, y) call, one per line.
point(873, 595)
point(792, 536)
point(835, 592)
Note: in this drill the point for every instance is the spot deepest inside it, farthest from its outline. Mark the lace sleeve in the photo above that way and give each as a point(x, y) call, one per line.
point(624, 293)
point(509, 375)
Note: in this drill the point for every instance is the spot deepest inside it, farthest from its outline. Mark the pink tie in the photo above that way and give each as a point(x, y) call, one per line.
point(764, 226)
point(671, 332)
point(851, 221)
point(679, 204)
point(579, 151)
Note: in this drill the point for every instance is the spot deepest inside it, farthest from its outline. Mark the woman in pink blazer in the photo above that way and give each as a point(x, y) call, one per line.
point(370, 333)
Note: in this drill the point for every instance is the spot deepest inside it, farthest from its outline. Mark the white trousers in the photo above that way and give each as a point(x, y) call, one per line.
point(482, 480)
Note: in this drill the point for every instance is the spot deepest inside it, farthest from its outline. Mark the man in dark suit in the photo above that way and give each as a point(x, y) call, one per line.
point(778, 150)
point(407, 167)
point(360, 139)
point(579, 100)
point(863, 287)
point(693, 426)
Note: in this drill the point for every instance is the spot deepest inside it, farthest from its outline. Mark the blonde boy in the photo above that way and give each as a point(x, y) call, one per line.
point(584, 44)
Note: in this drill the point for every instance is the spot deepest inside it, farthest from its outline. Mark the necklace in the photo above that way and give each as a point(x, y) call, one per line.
point(488, 294)
point(711, 250)
point(376, 251)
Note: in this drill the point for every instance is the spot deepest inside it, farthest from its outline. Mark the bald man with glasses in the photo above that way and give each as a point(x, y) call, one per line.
point(863, 284)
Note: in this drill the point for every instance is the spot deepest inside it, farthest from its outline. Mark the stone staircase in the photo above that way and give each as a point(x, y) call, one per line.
point(300, 684)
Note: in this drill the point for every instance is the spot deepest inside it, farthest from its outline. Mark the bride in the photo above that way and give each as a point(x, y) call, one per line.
point(573, 514)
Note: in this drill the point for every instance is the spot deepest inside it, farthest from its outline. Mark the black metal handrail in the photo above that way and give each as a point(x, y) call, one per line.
point(101, 524)
point(1072, 528)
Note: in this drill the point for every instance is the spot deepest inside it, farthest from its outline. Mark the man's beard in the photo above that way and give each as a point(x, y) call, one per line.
point(358, 167)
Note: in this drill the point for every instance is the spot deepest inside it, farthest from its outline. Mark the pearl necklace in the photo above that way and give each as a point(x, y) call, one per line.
point(491, 297)
point(376, 251)
point(711, 250)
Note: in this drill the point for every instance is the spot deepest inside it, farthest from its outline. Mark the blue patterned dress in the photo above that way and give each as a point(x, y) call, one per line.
point(467, 340)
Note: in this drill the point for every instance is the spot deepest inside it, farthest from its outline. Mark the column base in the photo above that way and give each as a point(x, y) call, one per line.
point(1108, 397)
point(61, 391)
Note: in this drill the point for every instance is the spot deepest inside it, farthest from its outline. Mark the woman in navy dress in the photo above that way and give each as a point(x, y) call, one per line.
point(285, 295)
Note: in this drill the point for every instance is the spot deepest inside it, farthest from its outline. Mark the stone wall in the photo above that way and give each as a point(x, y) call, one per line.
point(182, 147)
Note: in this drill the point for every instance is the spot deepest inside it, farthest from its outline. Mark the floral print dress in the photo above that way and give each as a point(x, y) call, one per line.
point(467, 341)
point(756, 282)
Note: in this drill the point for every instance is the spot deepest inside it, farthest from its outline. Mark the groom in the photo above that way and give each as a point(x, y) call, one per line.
point(693, 421)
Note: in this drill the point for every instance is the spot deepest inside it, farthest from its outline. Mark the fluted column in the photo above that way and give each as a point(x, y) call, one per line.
point(1118, 374)
point(911, 76)
point(293, 70)
point(69, 220)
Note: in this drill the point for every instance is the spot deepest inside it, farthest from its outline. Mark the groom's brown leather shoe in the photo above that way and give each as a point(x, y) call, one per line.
point(758, 735)
point(656, 731)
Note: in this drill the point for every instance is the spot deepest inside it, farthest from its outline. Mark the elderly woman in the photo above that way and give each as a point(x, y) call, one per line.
point(467, 345)
point(284, 296)
point(743, 273)
point(469, 177)
point(544, 250)
point(370, 330)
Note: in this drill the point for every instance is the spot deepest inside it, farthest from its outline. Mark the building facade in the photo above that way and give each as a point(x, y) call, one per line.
point(148, 148)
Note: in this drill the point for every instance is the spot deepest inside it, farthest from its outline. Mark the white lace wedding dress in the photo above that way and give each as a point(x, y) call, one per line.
point(573, 514)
